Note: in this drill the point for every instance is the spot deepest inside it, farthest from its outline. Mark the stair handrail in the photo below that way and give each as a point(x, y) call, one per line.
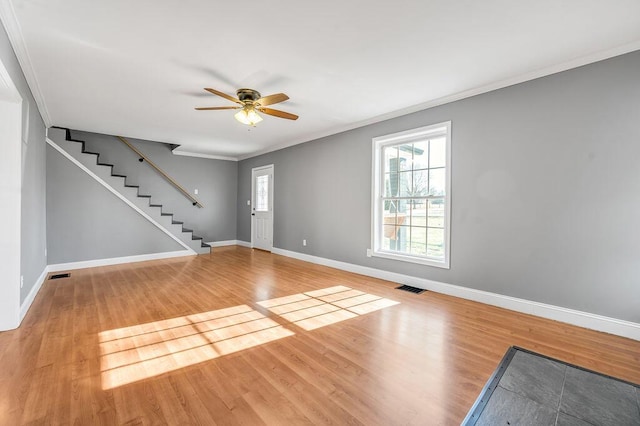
point(168, 178)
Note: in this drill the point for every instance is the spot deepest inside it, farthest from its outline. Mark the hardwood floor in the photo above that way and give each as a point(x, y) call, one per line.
point(207, 340)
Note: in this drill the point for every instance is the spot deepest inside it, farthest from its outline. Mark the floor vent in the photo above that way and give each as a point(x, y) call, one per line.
point(410, 289)
point(56, 276)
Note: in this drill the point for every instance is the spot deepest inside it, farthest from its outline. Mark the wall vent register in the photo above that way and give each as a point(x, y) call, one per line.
point(58, 276)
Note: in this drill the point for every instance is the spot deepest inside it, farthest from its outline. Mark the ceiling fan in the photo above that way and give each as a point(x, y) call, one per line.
point(251, 102)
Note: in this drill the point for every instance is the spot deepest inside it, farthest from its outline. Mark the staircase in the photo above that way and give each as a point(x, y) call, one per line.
point(91, 160)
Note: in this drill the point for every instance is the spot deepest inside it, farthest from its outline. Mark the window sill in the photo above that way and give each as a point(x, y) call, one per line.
point(412, 259)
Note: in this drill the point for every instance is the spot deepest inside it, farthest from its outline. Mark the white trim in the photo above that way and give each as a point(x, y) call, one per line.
point(8, 91)
point(588, 320)
point(11, 171)
point(377, 182)
point(118, 194)
point(28, 301)
point(16, 38)
point(229, 243)
point(543, 72)
point(199, 155)
point(272, 185)
point(244, 243)
point(117, 260)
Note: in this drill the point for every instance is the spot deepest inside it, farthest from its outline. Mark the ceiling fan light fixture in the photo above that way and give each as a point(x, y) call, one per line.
point(248, 115)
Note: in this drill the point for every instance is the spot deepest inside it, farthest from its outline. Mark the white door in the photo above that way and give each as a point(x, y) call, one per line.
point(262, 207)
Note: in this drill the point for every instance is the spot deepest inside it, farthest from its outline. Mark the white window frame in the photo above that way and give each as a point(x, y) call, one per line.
point(380, 142)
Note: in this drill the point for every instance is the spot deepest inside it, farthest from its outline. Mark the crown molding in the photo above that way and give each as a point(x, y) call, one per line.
point(199, 155)
point(542, 72)
point(14, 32)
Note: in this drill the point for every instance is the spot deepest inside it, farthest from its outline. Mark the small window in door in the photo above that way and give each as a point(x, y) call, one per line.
point(262, 193)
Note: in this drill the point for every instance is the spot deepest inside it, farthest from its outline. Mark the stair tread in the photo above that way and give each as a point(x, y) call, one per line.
point(173, 222)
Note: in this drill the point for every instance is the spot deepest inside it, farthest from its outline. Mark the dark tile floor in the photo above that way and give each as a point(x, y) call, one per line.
point(528, 389)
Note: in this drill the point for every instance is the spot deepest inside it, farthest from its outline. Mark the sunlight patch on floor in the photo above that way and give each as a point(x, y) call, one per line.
point(314, 309)
point(142, 351)
point(139, 352)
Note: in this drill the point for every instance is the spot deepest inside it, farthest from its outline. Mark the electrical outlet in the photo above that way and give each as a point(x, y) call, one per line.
point(195, 191)
point(304, 242)
point(248, 202)
point(368, 252)
point(21, 281)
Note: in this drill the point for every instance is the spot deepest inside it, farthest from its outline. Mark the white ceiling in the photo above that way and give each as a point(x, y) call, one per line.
point(138, 68)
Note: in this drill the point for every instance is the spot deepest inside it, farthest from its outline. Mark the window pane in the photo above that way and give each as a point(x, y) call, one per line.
point(392, 165)
point(435, 211)
point(420, 155)
point(389, 220)
point(435, 242)
point(405, 184)
point(437, 182)
point(390, 154)
point(388, 179)
point(418, 244)
point(405, 153)
point(403, 234)
point(390, 207)
point(420, 185)
point(386, 243)
point(262, 193)
point(394, 227)
point(418, 212)
point(438, 153)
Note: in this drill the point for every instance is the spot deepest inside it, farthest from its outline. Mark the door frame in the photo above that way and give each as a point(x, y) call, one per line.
point(11, 197)
point(253, 200)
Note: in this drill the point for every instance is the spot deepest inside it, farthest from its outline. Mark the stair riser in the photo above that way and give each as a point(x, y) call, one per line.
point(118, 183)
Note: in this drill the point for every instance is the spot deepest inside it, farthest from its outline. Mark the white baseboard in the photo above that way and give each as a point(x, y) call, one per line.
point(615, 326)
point(28, 301)
point(229, 243)
point(117, 260)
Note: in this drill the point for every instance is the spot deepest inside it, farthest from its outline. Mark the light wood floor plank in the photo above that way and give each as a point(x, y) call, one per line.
point(187, 341)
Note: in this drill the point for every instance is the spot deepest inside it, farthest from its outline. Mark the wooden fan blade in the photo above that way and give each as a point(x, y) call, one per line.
point(277, 113)
point(224, 95)
point(215, 108)
point(272, 99)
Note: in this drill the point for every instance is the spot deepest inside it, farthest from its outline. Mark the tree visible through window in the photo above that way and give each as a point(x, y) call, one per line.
point(411, 195)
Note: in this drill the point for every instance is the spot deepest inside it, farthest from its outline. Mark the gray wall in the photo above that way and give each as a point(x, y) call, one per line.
point(87, 222)
point(33, 225)
point(216, 181)
point(545, 191)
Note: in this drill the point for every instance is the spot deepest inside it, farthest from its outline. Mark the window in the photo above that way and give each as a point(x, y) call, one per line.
point(411, 195)
point(262, 193)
